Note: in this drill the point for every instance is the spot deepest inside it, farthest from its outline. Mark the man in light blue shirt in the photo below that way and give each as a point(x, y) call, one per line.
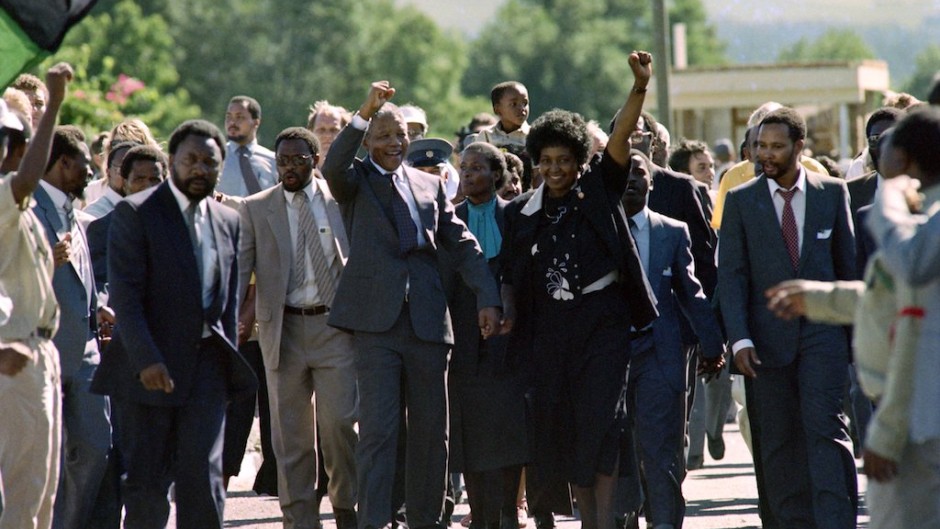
point(248, 167)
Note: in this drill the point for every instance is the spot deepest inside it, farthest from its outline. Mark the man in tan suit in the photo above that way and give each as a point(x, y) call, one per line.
point(294, 240)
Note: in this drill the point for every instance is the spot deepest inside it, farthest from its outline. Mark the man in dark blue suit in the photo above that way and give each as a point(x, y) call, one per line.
point(790, 223)
point(173, 279)
point(658, 362)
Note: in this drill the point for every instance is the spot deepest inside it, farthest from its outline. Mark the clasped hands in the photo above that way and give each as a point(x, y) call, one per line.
point(492, 322)
point(710, 368)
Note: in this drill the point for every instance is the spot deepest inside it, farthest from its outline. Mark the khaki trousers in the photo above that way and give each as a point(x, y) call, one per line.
point(30, 439)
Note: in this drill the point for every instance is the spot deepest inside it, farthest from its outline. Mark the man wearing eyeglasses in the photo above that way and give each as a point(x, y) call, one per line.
point(861, 194)
point(862, 189)
point(294, 241)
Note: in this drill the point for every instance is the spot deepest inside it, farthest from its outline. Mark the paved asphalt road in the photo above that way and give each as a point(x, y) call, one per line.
point(721, 495)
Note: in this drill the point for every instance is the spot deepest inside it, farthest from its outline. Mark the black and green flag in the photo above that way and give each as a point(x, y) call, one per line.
point(31, 30)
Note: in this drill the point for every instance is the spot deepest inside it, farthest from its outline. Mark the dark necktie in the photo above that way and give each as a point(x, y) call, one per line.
point(190, 217)
point(308, 240)
point(248, 174)
point(407, 231)
point(791, 236)
point(69, 215)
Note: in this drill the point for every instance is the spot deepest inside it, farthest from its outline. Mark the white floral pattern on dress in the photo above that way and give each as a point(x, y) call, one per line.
point(558, 286)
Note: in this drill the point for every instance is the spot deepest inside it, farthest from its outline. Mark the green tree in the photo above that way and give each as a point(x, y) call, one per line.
point(124, 68)
point(702, 42)
point(833, 45)
point(573, 53)
point(927, 66)
point(288, 54)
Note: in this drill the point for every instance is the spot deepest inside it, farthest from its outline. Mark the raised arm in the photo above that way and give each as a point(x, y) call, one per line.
point(618, 146)
point(33, 165)
point(342, 154)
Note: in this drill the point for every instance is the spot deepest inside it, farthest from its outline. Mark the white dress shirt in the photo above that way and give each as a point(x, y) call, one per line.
point(104, 204)
point(307, 295)
point(641, 235)
point(231, 181)
point(79, 254)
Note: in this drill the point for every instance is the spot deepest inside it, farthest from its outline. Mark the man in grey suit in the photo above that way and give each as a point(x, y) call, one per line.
point(85, 416)
point(172, 359)
point(391, 298)
point(297, 265)
point(791, 224)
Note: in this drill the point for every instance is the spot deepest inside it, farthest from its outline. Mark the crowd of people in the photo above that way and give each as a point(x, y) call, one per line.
point(544, 309)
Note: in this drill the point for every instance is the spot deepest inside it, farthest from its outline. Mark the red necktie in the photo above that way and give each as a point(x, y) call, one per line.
point(791, 236)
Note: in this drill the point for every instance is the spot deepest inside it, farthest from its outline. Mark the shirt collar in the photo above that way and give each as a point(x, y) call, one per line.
point(112, 195)
point(234, 146)
point(58, 197)
point(310, 190)
point(183, 201)
point(484, 206)
point(399, 172)
point(641, 219)
point(800, 183)
point(523, 130)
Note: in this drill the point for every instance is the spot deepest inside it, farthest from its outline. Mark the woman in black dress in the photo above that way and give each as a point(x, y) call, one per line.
point(487, 401)
point(572, 286)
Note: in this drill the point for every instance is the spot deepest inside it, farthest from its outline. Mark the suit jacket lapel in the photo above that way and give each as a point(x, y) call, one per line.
point(336, 221)
point(425, 200)
point(659, 252)
point(280, 228)
point(501, 213)
point(372, 176)
point(225, 253)
point(810, 220)
point(175, 229)
point(44, 202)
point(767, 216)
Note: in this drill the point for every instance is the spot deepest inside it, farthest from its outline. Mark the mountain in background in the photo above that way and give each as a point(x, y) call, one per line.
point(756, 32)
point(896, 45)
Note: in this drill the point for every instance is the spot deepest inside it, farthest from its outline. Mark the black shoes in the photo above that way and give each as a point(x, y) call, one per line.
point(716, 447)
point(544, 521)
point(345, 518)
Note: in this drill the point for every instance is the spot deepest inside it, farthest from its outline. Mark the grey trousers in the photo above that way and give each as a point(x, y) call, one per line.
point(396, 366)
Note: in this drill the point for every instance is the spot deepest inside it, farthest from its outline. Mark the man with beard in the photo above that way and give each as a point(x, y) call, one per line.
point(791, 223)
point(248, 167)
point(172, 358)
point(85, 416)
point(294, 241)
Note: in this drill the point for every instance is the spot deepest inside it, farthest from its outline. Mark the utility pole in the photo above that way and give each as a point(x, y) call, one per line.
point(663, 59)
